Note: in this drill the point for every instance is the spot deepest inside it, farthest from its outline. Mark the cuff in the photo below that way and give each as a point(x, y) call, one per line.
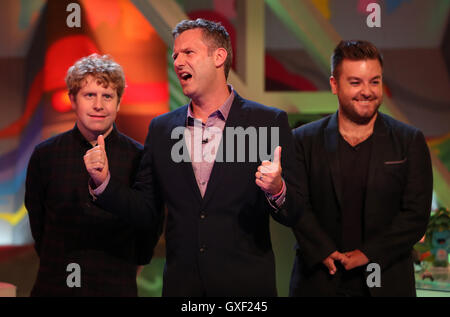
point(276, 201)
point(100, 189)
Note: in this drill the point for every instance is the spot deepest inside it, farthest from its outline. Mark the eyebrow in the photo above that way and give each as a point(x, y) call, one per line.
point(357, 78)
point(181, 51)
point(94, 92)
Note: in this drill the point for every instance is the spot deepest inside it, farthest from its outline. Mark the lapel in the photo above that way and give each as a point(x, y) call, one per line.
point(331, 148)
point(380, 145)
point(236, 117)
point(185, 167)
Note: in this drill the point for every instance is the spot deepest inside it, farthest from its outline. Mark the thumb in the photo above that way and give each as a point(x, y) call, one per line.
point(101, 142)
point(329, 263)
point(277, 155)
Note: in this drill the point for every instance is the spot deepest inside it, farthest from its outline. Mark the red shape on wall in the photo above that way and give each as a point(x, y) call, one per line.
point(61, 101)
point(61, 55)
point(277, 72)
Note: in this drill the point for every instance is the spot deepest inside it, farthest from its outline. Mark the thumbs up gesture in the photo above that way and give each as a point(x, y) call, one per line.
point(96, 162)
point(268, 176)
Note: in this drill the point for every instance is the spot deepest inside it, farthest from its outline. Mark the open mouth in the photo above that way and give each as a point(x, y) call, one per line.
point(185, 76)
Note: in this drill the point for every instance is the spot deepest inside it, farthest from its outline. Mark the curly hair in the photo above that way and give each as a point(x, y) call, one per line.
point(103, 68)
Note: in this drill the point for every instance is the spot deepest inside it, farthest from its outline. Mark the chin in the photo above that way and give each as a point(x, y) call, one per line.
point(364, 118)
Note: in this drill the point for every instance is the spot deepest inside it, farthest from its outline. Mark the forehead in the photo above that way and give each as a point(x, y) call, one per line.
point(189, 38)
point(361, 68)
point(92, 83)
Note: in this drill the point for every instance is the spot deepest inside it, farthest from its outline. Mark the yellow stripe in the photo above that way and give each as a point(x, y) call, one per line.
point(16, 217)
point(438, 141)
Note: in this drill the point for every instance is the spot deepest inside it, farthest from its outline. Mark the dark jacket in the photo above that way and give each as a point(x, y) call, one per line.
point(396, 212)
point(218, 245)
point(68, 228)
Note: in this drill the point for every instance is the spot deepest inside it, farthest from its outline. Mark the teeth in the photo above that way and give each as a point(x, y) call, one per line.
point(185, 76)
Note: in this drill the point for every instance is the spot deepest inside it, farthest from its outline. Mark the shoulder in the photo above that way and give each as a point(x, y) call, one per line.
point(168, 117)
point(129, 143)
point(312, 128)
point(54, 141)
point(404, 135)
point(258, 108)
point(398, 128)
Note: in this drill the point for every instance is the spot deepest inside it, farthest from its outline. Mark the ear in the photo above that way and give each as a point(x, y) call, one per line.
point(118, 105)
point(334, 85)
point(72, 101)
point(220, 56)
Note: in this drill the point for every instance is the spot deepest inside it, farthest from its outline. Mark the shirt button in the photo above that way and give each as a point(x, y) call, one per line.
point(203, 183)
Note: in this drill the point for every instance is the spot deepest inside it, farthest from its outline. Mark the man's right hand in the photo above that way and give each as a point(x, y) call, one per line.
point(329, 261)
point(96, 162)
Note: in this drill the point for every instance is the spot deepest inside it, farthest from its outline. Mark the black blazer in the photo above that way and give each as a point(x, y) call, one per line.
point(68, 228)
point(218, 245)
point(397, 206)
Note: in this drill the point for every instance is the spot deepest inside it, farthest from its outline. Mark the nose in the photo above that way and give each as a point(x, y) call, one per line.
point(178, 62)
point(366, 91)
point(98, 105)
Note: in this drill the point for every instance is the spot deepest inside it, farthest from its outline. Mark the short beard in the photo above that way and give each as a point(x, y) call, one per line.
point(349, 113)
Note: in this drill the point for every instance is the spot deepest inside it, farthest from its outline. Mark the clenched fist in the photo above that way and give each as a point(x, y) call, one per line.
point(96, 162)
point(268, 176)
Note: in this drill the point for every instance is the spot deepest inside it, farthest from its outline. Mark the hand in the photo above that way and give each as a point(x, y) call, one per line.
point(329, 261)
point(96, 162)
point(354, 259)
point(268, 176)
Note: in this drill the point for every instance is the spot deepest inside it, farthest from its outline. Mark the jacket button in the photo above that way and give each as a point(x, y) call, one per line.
point(202, 248)
point(202, 215)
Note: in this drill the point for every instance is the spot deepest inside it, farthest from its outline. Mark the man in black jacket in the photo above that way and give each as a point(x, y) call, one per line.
point(219, 194)
point(366, 185)
point(84, 250)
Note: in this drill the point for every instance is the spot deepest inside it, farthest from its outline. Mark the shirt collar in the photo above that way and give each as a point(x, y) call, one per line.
point(109, 138)
point(222, 112)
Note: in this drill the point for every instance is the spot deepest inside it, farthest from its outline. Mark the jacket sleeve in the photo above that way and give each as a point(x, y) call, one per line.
point(314, 244)
point(289, 212)
point(410, 223)
point(141, 205)
point(34, 196)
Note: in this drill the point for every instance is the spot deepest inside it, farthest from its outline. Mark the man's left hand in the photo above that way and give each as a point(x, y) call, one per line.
point(354, 259)
point(268, 176)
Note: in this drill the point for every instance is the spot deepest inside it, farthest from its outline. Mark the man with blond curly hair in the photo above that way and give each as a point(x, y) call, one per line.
point(69, 231)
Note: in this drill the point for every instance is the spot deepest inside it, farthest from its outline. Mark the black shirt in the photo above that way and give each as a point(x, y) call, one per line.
point(354, 165)
point(68, 228)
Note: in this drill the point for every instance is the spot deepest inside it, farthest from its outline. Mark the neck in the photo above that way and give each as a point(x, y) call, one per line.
point(203, 106)
point(91, 136)
point(353, 132)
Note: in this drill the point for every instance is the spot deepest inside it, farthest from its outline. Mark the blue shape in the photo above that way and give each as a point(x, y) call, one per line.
point(27, 8)
point(392, 5)
point(25, 148)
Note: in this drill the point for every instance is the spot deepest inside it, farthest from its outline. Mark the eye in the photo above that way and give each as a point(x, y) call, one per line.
point(90, 95)
point(354, 83)
point(107, 96)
